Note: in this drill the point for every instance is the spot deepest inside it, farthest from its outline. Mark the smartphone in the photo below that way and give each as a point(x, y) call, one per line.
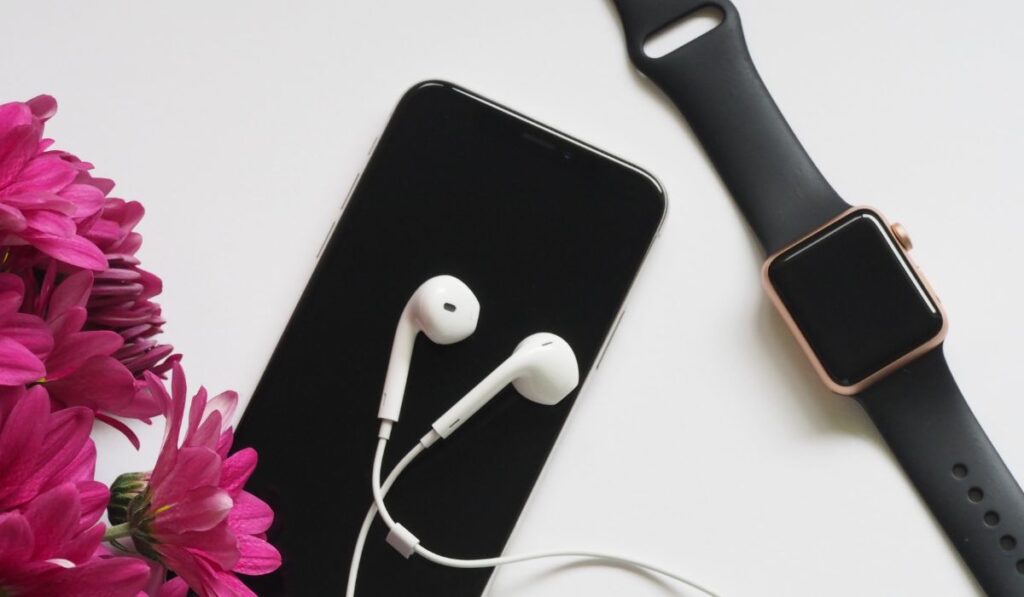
point(547, 231)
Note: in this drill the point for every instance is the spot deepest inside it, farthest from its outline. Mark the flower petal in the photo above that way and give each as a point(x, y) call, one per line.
point(193, 468)
point(236, 470)
point(143, 405)
point(94, 497)
point(106, 577)
point(194, 569)
point(86, 198)
point(11, 218)
point(16, 541)
point(234, 586)
point(73, 350)
point(73, 251)
point(80, 548)
point(73, 292)
point(208, 433)
point(176, 587)
point(119, 425)
point(43, 106)
point(101, 383)
point(224, 443)
point(18, 144)
point(54, 517)
point(225, 403)
point(118, 275)
point(14, 114)
point(20, 439)
point(149, 359)
point(17, 364)
point(65, 438)
point(29, 331)
point(250, 515)
point(257, 556)
point(199, 510)
point(195, 412)
point(12, 293)
point(68, 322)
point(174, 410)
point(47, 173)
point(49, 222)
point(218, 545)
point(79, 470)
point(40, 200)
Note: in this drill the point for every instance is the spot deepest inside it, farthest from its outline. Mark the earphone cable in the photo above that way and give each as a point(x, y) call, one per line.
point(411, 543)
point(371, 514)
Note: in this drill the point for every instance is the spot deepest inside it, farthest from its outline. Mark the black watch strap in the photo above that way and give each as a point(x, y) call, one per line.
point(918, 409)
point(713, 82)
point(925, 420)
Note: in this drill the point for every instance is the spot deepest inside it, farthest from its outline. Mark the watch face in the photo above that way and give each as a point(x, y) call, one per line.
point(855, 299)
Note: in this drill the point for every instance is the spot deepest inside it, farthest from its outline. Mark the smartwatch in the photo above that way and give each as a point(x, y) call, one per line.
point(843, 280)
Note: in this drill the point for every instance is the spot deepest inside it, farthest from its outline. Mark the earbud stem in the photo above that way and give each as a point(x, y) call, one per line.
point(476, 398)
point(398, 371)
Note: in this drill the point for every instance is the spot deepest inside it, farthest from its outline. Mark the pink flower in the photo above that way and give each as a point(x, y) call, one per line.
point(25, 339)
point(56, 220)
point(45, 343)
point(50, 549)
point(44, 195)
point(40, 450)
point(191, 514)
point(50, 505)
point(82, 368)
point(121, 298)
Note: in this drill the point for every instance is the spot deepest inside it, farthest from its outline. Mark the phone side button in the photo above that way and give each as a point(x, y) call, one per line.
point(604, 349)
point(330, 231)
point(351, 189)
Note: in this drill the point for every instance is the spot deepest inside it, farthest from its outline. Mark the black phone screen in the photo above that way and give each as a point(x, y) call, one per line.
point(548, 233)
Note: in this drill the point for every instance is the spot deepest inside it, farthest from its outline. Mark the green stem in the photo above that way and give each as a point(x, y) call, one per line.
point(117, 531)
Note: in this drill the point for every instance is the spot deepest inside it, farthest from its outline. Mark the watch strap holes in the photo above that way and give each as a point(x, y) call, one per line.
point(682, 31)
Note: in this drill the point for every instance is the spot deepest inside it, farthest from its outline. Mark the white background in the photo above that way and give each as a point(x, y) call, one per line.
point(704, 442)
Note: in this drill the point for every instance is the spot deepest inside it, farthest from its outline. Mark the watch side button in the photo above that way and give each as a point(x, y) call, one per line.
point(902, 236)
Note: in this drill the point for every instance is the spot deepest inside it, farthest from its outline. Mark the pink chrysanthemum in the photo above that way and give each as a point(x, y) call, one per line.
point(50, 506)
point(43, 198)
point(45, 551)
point(191, 513)
point(40, 449)
point(83, 368)
point(57, 224)
point(77, 342)
point(121, 298)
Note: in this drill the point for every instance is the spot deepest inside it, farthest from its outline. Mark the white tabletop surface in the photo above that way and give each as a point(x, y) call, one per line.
point(704, 442)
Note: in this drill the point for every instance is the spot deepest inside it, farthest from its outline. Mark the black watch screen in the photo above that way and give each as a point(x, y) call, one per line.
point(854, 297)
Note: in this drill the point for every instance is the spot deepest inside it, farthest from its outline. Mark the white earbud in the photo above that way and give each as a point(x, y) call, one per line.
point(542, 368)
point(446, 311)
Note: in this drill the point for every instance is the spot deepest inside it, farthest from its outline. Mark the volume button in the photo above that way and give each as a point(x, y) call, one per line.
point(604, 349)
point(330, 231)
point(350, 190)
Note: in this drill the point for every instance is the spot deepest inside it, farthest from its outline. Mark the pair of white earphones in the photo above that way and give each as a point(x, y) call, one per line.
point(542, 368)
